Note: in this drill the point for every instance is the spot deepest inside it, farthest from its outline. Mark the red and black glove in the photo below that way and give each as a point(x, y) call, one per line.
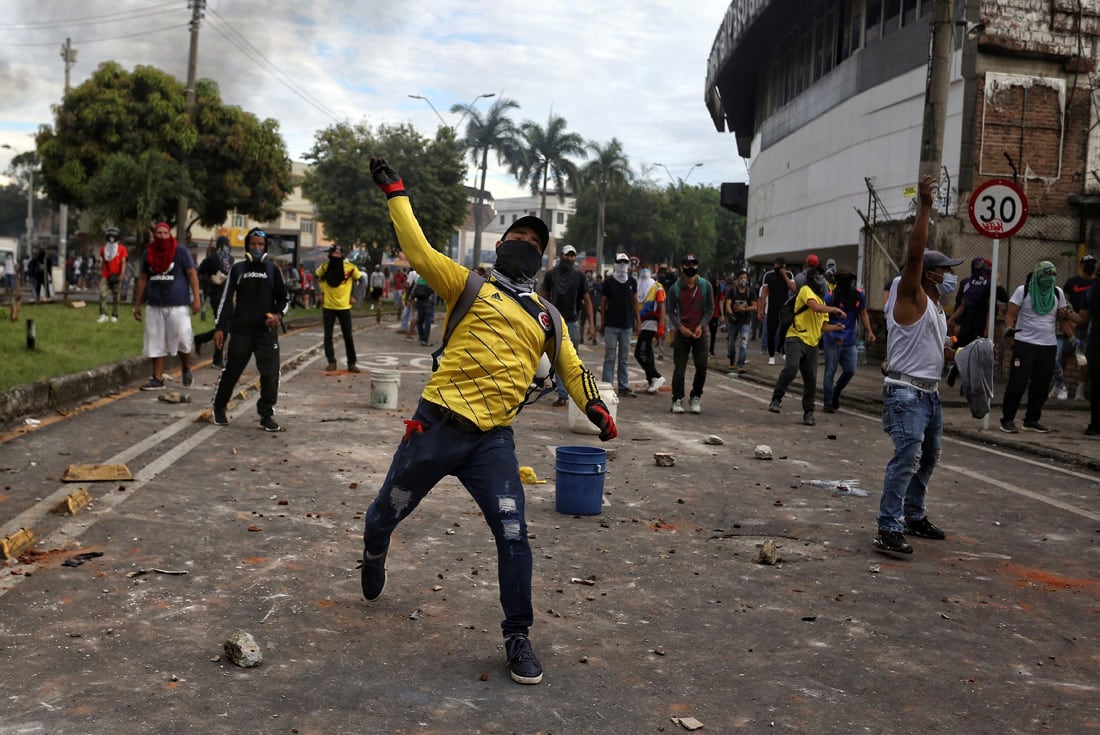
point(597, 413)
point(386, 178)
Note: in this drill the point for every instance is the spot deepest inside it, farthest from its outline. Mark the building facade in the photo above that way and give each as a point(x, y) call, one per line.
point(826, 99)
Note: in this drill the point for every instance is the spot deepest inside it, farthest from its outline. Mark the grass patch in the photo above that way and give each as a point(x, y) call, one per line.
point(70, 340)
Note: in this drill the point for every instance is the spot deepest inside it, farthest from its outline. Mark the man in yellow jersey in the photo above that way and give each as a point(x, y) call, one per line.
point(462, 424)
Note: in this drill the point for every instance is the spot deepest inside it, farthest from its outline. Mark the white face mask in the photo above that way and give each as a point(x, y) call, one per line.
point(949, 283)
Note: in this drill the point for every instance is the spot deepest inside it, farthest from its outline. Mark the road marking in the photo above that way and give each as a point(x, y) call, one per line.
point(1021, 491)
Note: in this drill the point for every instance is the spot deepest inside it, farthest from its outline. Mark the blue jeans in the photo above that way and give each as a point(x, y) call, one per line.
point(835, 354)
point(914, 420)
point(574, 329)
point(739, 343)
point(425, 313)
point(616, 349)
point(485, 463)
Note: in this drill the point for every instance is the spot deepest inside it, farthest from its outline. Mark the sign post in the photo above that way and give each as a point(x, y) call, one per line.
point(998, 208)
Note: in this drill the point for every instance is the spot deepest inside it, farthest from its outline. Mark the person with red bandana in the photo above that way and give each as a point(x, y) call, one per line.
point(169, 282)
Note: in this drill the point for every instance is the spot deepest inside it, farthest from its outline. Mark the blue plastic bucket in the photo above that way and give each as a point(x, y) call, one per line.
point(579, 486)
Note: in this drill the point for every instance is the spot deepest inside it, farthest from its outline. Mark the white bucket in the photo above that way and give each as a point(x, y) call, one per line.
point(383, 388)
point(579, 423)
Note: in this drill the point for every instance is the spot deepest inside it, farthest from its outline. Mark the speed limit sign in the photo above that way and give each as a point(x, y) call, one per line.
point(998, 208)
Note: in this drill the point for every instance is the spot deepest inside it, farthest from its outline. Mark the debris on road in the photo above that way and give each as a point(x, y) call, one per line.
point(715, 440)
point(762, 451)
point(242, 649)
point(839, 487)
point(96, 473)
point(664, 459)
point(688, 723)
point(78, 559)
point(139, 572)
point(588, 581)
point(769, 553)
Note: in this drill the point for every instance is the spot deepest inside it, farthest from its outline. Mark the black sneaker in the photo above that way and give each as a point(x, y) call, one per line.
point(1091, 430)
point(268, 423)
point(774, 405)
point(829, 408)
point(1009, 427)
point(522, 663)
point(925, 529)
point(627, 393)
point(561, 402)
point(188, 379)
point(1036, 427)
point(373, 576)
point(153, 384)
point(892, 541)
point(218, 417)
point(808, 418)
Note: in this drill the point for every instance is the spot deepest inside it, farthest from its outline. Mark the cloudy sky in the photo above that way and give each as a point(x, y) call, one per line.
point(631, 69)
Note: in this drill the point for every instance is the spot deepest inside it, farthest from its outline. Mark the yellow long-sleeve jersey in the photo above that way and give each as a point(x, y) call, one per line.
point(492, 355)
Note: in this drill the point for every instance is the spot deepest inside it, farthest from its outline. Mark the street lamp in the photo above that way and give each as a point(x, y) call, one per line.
point(683, 180)
point(30, 202)
point(466, 110)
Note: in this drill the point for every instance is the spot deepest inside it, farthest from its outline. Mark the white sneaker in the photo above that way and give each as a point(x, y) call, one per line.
point(655, 385)
point(771, 360)
point(678, 406)
point(114, 319)
point(102, 319)
point(694, 402)
point(1062, 393)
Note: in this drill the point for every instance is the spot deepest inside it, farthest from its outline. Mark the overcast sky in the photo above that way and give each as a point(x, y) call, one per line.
point(631, 69)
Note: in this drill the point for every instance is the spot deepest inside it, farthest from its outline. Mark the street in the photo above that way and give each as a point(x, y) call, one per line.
point(658, 608)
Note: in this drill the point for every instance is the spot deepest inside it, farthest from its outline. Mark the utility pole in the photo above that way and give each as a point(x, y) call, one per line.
point(68, 55)
point(197, 8)
point(941, 47)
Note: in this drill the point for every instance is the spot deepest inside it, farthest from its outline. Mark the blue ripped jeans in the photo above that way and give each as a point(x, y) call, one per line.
point(485, 463)
point(914, 420)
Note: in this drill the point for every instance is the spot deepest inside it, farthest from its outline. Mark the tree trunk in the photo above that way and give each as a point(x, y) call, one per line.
point(477, 210)
point(599, 233)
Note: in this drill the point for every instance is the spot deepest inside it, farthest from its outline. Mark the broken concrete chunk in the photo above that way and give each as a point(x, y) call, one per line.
point(714, 439)
point(769, 553)
point(242, 649)
point(688, 723)
point(664, 459)
point(762, 451)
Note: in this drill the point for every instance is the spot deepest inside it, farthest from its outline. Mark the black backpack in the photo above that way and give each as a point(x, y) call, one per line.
point(786, 317)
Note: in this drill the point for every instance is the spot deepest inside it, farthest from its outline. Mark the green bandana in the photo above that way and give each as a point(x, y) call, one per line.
point(1042, 288)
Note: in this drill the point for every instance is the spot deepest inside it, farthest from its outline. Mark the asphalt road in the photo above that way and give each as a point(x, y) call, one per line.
point(658, 608)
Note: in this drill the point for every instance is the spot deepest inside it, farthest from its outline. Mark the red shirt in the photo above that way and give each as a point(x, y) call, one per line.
point(693, 311)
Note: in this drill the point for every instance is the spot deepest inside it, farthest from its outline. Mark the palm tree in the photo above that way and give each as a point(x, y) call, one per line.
point(494, 131)
point(546, 159)
point(609, 169)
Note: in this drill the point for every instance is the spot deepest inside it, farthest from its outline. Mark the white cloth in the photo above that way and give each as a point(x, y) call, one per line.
point(917, 349)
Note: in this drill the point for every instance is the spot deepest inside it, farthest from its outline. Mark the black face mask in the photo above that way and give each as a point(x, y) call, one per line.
point(1089, 268)
point(689, 271)
point(518, 260)
point(566, 264)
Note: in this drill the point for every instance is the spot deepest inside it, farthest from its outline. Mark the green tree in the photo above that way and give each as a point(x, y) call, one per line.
point(545, 159)
point(13, 210)
point(609, 169)
point(26, 169)
point(348, 202)
point(236, 161)
point(494, 131)
point(132, 192)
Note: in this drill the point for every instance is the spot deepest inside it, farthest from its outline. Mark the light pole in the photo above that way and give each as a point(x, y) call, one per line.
point(470, 107)
point(30, 204)
point(465, 112)
point(422, 97)
point(683, 180)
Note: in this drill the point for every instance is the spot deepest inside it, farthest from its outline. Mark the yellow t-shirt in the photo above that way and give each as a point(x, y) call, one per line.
point(492, 355)
point(807, 325)
point(338, 298)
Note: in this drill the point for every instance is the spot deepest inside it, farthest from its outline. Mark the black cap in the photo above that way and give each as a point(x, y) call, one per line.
point(936, 259)
point(689, 259)
point(1088, 257)
point(533, 223)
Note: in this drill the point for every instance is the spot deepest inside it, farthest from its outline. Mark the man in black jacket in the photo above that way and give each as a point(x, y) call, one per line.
point(255, 299)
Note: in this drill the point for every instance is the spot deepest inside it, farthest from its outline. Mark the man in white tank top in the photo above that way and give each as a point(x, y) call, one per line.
point(911, 414)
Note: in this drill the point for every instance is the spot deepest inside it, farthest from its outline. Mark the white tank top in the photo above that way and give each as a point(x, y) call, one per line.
point(916, 349)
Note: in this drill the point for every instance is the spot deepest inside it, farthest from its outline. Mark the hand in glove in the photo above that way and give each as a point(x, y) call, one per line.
point(386, 178)
point(598, 415)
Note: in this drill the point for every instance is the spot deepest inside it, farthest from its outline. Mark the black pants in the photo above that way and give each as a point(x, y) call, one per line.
point(800, 358)
point(1093, 352)
point(1032, 370)
point(681, 348)
point(328, 320)
point(643, 353)
point(713, 326)
point(773, 327)
point(264, 344)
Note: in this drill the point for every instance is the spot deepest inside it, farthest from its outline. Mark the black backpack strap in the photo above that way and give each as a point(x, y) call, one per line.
point(454, 315)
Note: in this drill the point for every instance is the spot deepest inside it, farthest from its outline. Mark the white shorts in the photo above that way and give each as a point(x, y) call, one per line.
point(167, 331)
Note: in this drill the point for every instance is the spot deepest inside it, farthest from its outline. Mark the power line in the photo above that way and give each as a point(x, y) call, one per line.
point(242, 44)
point(88, 41)
point(115, 17)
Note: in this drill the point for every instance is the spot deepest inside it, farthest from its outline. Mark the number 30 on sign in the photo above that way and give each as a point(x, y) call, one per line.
point(998, 208)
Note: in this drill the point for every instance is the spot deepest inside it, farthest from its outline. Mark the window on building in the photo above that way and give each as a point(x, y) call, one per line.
point(909, 11)
point(239, 220)
point(873, 26)
point(891, 16)
point(307, 226)
point(515, 217)
point(290, 216)
point(503, 220)
point(561, 218)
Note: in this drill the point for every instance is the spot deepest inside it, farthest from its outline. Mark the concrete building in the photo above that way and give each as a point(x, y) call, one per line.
point(826, 99)
point(500, 213)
